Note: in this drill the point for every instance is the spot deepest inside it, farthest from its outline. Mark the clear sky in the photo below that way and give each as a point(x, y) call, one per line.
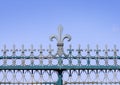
point(33, 21)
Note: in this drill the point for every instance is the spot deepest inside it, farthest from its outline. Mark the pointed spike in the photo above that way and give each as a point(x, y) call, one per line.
point(22, 47)
point(79, 49)
point(115, 47)
point(106, 47)
point(70, 49)
point(50, 46)
point(79, 46)
point(22, 50)
point(31, 46)
point(40, 47)
point(106, 50)
point(97, 50)
point(88, 49)
point(50, 49)
point(60, 29)
point(4, 50)
point(115, 51)
point(14, 46)
point(97, 47)
point(70, 46)
point(13, 50)
point(88, 46)
point(4, 46)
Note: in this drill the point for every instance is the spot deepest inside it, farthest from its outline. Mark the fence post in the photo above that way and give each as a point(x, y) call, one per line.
point(60, 81)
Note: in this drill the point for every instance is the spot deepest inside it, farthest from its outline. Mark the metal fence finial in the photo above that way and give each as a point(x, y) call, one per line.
point(4, 50)
point(97, 50)
point(23, 50)
point(70, 49)
point(50, 49)
point(41, 49)
point(32, 50)
point(115, 50)
point(60, 40)
point(106, 50)
point(14, 50)
point(79, 49)
point(88, 50)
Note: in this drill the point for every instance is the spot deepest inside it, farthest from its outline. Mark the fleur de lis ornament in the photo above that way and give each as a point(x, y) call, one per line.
point(60, 40)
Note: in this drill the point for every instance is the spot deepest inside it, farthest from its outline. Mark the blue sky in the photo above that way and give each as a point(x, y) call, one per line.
point(33, 21)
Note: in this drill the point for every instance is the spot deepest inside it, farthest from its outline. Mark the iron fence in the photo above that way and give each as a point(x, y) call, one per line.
point(60, 68)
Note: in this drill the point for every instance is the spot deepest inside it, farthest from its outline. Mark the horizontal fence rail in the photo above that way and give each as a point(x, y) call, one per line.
point(55, 61)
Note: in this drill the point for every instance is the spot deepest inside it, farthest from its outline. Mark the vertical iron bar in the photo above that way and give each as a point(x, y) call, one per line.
point(60, 81)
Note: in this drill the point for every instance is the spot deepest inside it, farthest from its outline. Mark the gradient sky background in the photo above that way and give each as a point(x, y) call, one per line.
point(33, 21)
